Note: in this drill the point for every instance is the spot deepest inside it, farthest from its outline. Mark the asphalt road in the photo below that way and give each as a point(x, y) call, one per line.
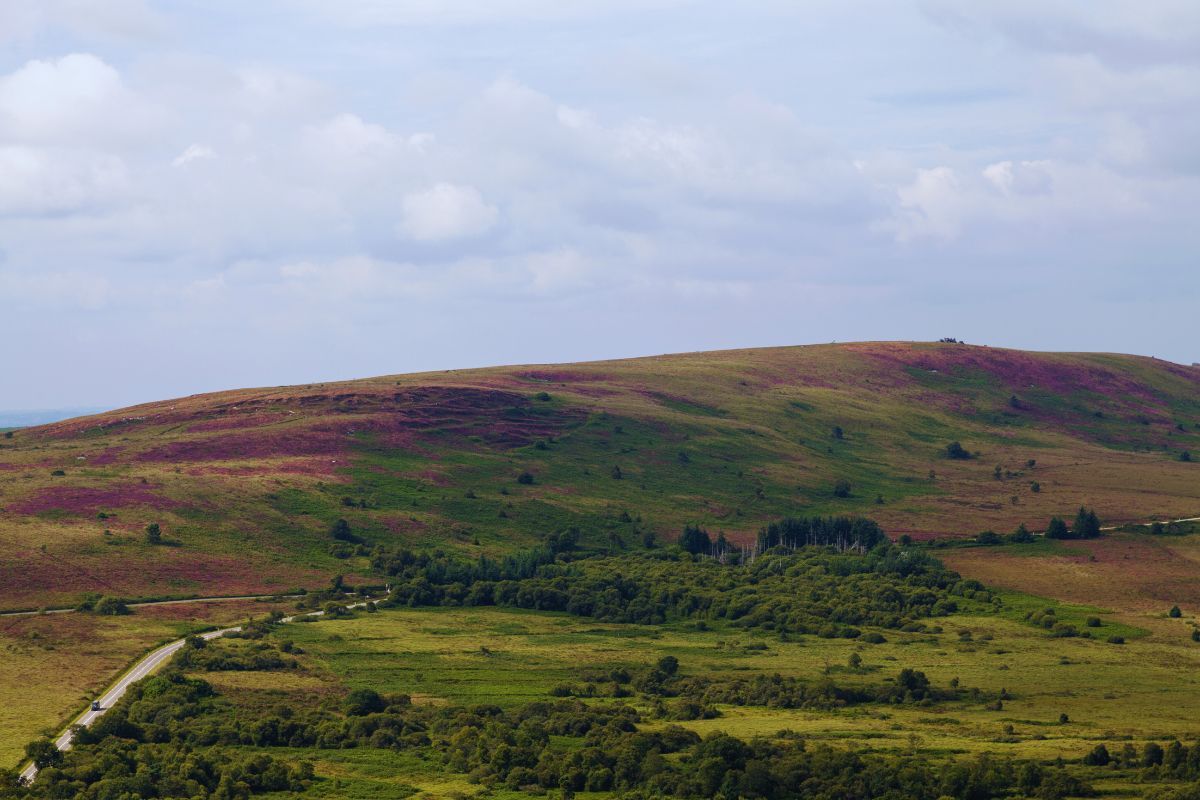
point(141, 669)
point(118, 689)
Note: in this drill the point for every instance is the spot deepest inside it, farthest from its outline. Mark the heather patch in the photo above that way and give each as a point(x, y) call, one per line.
point(90, 500)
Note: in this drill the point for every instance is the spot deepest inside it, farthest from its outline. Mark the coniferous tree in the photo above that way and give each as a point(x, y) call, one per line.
point(1057, 529)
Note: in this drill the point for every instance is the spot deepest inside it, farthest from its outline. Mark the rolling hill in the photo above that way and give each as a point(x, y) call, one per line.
point(246, 484)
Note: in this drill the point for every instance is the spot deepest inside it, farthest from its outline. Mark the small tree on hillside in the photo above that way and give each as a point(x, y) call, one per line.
point(695, 540)
point(1021, 535)
point(842, 488)
point(838, 433)
point(1057, 529)
point(1185, 456)
point(361, 702)
point(341, 531)
point(153, 533)
point(110, 607)
point(1174, 613)
point(955, 450)
point(1087, 525)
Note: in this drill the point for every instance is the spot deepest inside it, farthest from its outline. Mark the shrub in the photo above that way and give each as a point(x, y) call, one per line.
point(153, 533)
point(1035, 487)
point(1185, 456)
point(838, 433)
point(58, 473)
point(842, 488)
point(525, 478)
point(1093, 622)
point(361, 702)
point(1099, 757)
point(1174, 613)
point(1196, 634)
point(1021, 535)
point(110, 607)
point(340, 530)
point(955, 450)
point(989, 538)
point(1116, 640)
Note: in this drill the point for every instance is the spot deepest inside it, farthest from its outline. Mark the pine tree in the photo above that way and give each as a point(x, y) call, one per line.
point(1057, 529)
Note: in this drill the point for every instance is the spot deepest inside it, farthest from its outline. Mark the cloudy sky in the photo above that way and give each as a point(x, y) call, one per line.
point(203, 194)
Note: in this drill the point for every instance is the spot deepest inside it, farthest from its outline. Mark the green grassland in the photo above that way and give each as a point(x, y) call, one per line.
point(444, 657)
point(246, 484)
point(1015, 678)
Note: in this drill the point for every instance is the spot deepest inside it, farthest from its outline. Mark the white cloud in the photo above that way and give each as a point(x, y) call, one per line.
point(74, 99)
point(46, 181)
point(446, 211)
point(193, 152)
point(930, 206)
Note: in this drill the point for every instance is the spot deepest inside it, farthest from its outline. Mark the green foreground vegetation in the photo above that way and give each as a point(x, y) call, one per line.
point(844, 667)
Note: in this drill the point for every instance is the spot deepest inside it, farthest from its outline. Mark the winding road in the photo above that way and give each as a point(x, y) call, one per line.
point(159, 656)
point(141, 669)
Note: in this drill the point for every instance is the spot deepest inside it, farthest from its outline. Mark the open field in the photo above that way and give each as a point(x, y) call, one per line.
point(1139, 575)
point(51, 665)
point(246, 484)
point(1144, 690)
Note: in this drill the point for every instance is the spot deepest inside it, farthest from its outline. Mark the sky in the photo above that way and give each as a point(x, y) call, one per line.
point(207, 194)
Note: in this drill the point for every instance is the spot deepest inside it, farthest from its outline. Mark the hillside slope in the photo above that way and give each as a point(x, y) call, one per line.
point(246, 484)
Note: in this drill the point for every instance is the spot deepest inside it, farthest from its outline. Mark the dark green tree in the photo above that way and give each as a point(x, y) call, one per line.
point(361, 702)
point(955, 450)
point(1021, 535)
point(341, 531)
point(1087, 525)
point(1098, 757)
point(43, 753)
point(153, 533)
point(1057, 529)
point(695, 540)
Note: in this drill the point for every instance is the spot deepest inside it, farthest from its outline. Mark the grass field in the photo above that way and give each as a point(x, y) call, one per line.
point(1136, 574)
point(1144, 690)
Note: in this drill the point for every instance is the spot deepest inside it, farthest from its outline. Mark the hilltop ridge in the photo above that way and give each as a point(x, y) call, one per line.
point(246, 483)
